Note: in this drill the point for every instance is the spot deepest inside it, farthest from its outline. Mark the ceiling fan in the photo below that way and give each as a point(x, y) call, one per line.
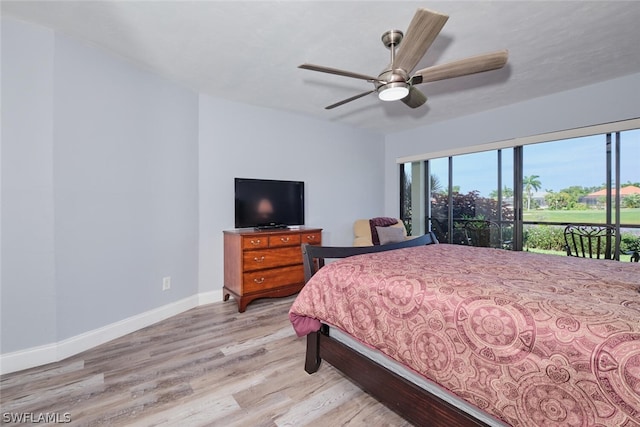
point(395, 83)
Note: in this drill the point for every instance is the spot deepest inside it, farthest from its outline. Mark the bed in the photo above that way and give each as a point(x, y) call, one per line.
point(452, 335)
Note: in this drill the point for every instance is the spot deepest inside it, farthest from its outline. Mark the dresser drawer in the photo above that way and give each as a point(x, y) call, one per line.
point(269, 258)
point(255, 242)
point(292, 239)
point(311, 238)
point(273, 278)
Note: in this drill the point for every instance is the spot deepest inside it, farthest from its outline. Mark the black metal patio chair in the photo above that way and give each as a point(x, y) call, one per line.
point(588, 241)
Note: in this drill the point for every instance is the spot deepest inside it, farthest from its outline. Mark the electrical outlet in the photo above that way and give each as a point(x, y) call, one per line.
point(166, 283)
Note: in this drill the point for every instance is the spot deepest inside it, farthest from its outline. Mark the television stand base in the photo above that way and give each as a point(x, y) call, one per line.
point(272, 227)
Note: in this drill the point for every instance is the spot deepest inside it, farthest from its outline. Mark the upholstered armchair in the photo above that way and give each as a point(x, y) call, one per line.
point(376, 231)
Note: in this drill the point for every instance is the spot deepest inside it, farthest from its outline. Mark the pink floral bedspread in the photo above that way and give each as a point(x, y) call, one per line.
point(535, 340)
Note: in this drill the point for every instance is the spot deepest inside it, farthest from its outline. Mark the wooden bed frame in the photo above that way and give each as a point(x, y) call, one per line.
point(407, 399)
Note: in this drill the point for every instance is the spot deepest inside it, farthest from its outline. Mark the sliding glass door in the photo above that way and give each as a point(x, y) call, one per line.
point(476, 198)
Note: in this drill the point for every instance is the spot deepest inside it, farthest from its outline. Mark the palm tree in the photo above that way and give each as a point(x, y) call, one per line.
point(531, 183)
point(506, 192)
point(436, 186)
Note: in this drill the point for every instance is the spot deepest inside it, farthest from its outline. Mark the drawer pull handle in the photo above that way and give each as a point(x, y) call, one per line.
point(311, 237)
point(256, 259)
point(284, 239)
point(255, 242)
point(260, 280)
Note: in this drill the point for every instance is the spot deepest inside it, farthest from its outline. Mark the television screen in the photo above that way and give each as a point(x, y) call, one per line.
point(266, 203)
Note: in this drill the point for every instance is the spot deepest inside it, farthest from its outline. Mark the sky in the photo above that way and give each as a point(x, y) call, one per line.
point(558, 164)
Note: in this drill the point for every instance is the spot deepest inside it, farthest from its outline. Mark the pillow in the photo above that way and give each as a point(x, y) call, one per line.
point(390, 235)
point(381, 221)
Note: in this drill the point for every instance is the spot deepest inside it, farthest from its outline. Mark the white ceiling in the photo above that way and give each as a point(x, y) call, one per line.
point(248, 51)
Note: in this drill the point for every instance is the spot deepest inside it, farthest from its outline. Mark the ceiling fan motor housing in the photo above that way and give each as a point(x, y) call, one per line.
point(396, 84)
point(388, 77)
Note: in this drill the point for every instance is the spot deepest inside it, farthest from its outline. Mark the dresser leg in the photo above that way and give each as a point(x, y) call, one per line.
point(241, 301)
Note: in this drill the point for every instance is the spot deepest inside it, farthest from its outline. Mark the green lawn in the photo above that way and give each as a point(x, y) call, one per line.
point(545, 251)
point(623, 257)
point(627, 216)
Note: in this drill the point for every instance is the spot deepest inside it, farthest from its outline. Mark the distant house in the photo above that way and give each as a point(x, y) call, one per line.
point(538, 200)
point(597, 197)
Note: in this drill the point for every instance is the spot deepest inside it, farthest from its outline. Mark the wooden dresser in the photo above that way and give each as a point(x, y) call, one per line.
point(259, 264)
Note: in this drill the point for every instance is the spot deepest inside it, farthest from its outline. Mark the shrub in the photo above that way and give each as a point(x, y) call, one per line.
point(465, 206)
point(631, 201)
point(550, 237)
point(545, 237)
point(629, 242)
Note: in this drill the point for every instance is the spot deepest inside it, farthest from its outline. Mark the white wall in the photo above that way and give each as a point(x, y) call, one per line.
point(610, 101)
point(113, 178)
point(27, 286)
point(99, 189)
point(125, 185)
point(341, 167)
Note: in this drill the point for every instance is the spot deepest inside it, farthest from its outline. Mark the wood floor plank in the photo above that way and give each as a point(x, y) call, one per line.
point(207, 366)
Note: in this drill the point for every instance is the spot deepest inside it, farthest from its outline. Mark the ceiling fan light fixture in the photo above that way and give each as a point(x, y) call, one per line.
point(393, 91)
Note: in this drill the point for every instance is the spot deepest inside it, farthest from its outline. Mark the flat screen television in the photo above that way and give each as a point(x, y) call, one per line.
point(268, 203)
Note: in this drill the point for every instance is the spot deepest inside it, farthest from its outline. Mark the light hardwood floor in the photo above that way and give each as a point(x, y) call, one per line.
point(208, 366)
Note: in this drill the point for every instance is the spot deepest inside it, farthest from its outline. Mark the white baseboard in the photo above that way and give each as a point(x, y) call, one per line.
point(54, 352)
point(210, 297)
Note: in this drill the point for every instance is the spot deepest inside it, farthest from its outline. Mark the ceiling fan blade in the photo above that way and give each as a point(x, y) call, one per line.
point(462, 67)
point(344, 101)
point(423, 30)
point(338, 72)
point(415, 98)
